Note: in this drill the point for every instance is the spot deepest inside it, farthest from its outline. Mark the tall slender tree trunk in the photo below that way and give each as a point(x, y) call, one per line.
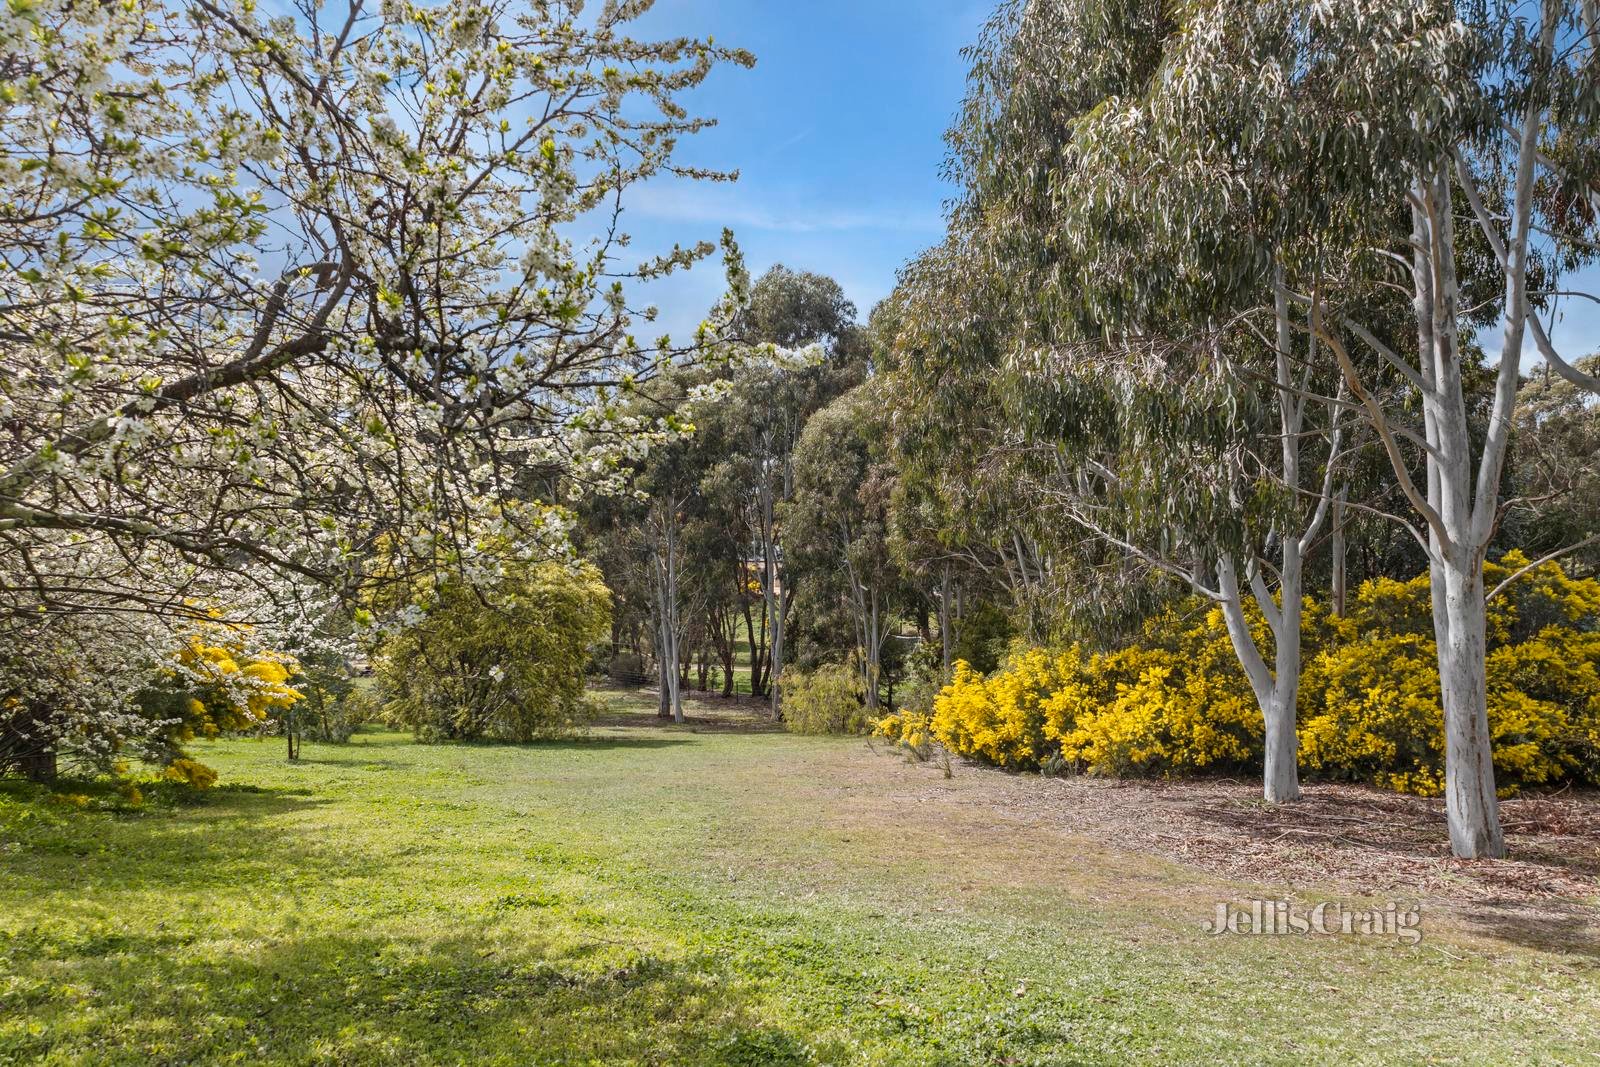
point(946, 636)
point(755, 641)
point(874, 649)
point(1460, 521)
point(1277, 688)
point(664, 702)
point(1340, 552)
point(667, 610)
point(673, 609)
point(773, 591)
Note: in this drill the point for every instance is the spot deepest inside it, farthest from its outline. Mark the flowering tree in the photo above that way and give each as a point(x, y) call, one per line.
point(88, 691)
point(278, 292)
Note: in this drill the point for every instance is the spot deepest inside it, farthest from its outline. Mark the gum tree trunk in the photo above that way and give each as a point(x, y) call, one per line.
point(665, 558)
point(1276, 689)
point(874, 649)
point(773, 594)
point(1460, 501)
point(1471, 803)
point(1340, 552)
point(946, 635)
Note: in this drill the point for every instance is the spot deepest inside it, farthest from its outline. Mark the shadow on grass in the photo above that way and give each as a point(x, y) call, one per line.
point(1557, 926)
point(353, 754)
point(224, 838)
point(358, 998)
point(353, 760)
point(605, 743)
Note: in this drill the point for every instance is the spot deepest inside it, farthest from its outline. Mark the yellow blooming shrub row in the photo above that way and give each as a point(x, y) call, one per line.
point(1176, 702)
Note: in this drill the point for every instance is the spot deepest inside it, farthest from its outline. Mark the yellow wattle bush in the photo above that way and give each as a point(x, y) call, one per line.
point(215, 681)
point(999, 719)
point(1370, 708)
point(908, 726)
point(188, 772)
point(232, 690)
point(1177, 702)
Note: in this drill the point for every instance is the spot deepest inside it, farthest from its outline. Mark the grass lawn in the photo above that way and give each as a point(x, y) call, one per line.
point(693, 895)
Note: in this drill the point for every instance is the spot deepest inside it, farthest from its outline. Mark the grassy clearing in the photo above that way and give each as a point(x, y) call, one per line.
point(697, 895)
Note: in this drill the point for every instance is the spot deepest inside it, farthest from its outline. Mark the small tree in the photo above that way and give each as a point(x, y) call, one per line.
point(507, 668)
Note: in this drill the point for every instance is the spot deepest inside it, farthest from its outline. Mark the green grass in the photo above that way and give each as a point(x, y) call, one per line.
point(684, 896)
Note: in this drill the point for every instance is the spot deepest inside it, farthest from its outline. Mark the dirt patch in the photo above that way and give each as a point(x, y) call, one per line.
point(1346, 839)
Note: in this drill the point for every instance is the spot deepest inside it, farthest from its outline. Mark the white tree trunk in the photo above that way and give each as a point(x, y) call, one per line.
point(773, 596)
point(1471, 804)
point(667, 607)
point(1276, 691)
point(1461, 509)
point(946, 636)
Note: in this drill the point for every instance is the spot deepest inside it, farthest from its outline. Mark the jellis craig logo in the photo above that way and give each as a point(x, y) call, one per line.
point(1402, 922)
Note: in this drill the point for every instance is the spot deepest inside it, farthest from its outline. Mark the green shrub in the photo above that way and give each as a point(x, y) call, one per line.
point(983, 635)
point(505, 664)
point(627, 668)
point(924, 677)
point(326, 712)
point(827, 700)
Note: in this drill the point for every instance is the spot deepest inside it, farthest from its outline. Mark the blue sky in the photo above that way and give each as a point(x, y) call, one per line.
point(837, 133)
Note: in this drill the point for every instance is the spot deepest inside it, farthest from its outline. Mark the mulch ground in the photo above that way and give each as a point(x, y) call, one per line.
point(1350, 839)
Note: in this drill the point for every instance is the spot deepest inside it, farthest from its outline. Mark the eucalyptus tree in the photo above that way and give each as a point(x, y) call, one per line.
point(956, 520)
point(1316, 151)
point(1167, 396)
point(1555, 468)
point(716, 551)
point(1424, 112)
point(767, 407)
point(1509, 127)
point(280, 291)
point(837, 525)
point(645, 530)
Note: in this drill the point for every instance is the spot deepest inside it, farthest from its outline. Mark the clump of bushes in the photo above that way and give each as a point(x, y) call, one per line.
point(628, 668)
point(216, 682)
point(827, 700)
point(329, 709)
point(505, 664)
point(1176, 701)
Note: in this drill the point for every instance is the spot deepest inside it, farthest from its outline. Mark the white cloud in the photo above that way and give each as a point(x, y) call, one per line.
point(725, 205)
